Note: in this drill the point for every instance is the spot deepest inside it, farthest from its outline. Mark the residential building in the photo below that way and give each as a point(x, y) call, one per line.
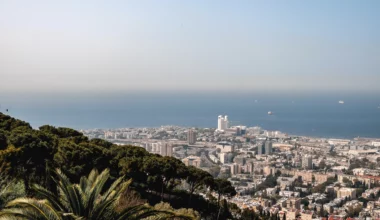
point(293, 203)
point(265, 148)
point(268, 147)
point(225, 147)
point(192, 161)
point(234, 169)
point(191, 136)
point(166, 149)
point(346, 192)
point(223, 157)
point(307, 162)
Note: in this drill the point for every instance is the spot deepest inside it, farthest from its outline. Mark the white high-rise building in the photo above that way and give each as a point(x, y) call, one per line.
point(222, 122)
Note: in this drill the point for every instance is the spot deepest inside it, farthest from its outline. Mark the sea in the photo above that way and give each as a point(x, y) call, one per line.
point(311, 114)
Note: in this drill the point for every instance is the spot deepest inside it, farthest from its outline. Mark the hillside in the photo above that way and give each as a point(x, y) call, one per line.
point(32, 156)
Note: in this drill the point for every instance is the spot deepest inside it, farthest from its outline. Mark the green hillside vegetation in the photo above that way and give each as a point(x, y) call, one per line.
point(58, 173)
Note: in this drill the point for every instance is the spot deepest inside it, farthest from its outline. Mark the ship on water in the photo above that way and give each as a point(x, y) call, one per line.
point(270, 113)
point(341, 102)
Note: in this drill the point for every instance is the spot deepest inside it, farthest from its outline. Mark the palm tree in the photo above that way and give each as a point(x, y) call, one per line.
point(82, 201)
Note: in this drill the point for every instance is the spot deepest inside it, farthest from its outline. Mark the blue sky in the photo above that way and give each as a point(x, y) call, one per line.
point(87, 46)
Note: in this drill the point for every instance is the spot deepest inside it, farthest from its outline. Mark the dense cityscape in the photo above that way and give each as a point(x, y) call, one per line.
point(273, 172)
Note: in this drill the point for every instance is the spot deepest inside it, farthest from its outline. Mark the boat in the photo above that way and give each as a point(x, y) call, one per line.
point(270, 113)
point(341, 102)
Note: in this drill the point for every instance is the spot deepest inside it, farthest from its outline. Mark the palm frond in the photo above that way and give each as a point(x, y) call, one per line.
point(53, 199)
point(104, 210)
point(94, 193)
point(110, 193)
point(16, 213)
point(34, 207)
point(70, 193)
point(139, 212)
point(92, 178)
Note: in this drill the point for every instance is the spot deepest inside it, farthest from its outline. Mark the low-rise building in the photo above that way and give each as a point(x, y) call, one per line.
point(346, 192)
point(192, 161)
point(289, 193)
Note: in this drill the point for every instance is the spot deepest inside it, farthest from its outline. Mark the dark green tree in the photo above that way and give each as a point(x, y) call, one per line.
point(223, 187)
point(8, 123)
point(248, 214)
point(30, 155)
point(78, 159)
point(164, 172)
point(197, 179)
point(3, 140)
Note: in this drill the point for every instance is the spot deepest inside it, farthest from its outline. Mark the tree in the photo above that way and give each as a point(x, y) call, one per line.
point(3, 140)
point(176, 213)
point(305, 202)
point(78, 201)
point(322, 211)
point(29, 155)
point(223, 187)
point(77, 159)
point(164, 172)
point(8, 123)
point(214, 171)
point(197, 178)
point(270, 181)
point(129, 161)
point(9, 189)
point(347, 181)
point(322, 165)
point(248, 214)
point(62, 132)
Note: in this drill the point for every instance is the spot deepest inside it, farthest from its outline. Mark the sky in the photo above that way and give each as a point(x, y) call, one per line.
point(112, 46)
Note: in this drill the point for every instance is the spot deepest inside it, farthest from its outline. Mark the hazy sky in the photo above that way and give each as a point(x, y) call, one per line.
point(93, 45)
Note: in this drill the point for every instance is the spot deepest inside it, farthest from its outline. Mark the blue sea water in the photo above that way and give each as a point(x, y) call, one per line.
point(317, 115)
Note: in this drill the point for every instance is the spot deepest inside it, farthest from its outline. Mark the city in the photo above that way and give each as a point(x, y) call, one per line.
point(273, 172)
point(190, 110)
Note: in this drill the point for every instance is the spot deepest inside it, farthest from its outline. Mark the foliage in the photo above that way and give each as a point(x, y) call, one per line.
point(352, 212)
point(9, 189)
point(223, 187)
point(305, 202)
point(182, 213)
point(248, 214)
point(8, 123)
point(78, 159)
point(269, 182)
point(164, 172)
point(198, 178)
point(321, 188)
point(3, 140)
point(78, 201)
point(28, 156)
